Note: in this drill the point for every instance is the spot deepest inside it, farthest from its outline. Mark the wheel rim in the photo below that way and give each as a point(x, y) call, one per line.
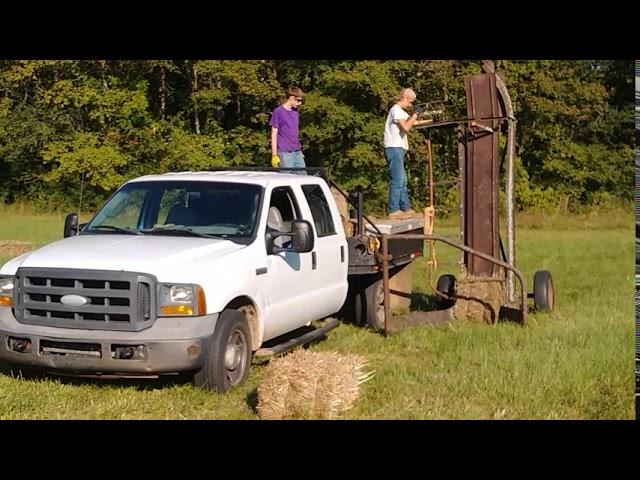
point(235, 358)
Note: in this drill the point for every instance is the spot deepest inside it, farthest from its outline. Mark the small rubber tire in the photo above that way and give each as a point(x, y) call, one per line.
point(543, 293)
point(447, 285)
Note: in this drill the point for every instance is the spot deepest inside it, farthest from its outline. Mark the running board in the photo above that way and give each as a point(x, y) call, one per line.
point(297, 341)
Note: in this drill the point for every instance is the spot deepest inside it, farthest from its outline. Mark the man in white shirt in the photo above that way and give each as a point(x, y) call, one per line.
point(396, 144)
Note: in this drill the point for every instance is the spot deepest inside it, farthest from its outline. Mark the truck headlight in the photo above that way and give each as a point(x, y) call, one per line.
point(181, 299)
point(6, 291)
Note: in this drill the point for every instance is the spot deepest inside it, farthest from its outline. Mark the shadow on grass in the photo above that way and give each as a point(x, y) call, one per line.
point(140, 384)
point(252, 400)
point(424, 302)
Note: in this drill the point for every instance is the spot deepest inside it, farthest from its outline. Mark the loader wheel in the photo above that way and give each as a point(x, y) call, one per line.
point(447, 285)
point(229, 354)
point(543, 297)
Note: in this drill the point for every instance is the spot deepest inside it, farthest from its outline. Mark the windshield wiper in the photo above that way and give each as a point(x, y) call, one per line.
point(178, 230)
point(117, 229)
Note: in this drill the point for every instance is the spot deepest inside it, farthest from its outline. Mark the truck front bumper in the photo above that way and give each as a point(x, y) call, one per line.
point(170, 345)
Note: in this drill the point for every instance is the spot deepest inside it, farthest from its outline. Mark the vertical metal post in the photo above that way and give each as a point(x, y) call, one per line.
point(509, 188)
point(385, 278)
point(462, 155)
point(360, 212)
point(481, 171)
point(511, 251)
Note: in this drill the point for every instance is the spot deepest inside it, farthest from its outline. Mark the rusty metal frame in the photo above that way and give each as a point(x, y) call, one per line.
point(385, 257)
point(481, 200)
point(462, 125)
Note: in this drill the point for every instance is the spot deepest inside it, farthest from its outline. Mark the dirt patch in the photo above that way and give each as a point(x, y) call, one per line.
point(311, 385)
point(13, 248)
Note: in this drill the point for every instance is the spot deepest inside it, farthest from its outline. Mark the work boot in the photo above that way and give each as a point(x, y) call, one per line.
point(397, 215)
point(410, 213)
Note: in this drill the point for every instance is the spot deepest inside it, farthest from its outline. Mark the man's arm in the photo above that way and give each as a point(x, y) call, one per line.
point(408, 123)
point(274, 141)
point(423, 122)
point(413, 121)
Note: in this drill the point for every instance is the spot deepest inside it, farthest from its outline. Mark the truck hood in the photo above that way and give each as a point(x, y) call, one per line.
point(156, 255)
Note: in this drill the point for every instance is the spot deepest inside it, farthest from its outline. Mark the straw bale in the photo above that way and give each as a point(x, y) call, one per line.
point(479, 298)
point(311, 385)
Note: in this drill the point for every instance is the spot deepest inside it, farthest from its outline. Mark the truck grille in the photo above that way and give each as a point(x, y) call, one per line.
point(108, 300)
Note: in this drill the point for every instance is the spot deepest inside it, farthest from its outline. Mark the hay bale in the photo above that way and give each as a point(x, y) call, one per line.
point(311, 385)
point(343, 208)
point(13, 248)
point(479, 298)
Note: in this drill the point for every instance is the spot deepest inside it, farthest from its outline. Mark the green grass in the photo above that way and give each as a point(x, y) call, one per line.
point(575, 363)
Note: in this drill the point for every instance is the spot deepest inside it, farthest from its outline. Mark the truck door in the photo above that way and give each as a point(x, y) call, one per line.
point(287, 283)
point(329, 262)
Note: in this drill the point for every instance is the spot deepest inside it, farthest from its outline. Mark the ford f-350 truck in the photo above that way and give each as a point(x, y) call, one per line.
point(184, 273)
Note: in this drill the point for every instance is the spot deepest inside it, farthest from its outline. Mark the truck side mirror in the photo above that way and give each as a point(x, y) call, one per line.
point(302, 236)
point(71, 225)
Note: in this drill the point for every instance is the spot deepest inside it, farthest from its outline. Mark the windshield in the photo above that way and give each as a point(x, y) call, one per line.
point(189, 208)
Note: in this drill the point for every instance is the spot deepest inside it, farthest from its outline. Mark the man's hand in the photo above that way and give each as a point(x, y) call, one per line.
point(275, 161)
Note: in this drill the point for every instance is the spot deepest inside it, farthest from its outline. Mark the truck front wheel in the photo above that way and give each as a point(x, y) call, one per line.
point(229, 354)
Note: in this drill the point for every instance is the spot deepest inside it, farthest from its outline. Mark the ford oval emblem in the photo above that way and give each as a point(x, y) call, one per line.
point(74, 300)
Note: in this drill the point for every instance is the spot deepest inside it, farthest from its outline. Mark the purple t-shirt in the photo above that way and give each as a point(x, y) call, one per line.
point(287, 122)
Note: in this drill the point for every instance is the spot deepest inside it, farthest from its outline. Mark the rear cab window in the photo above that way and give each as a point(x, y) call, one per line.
point(320, 210)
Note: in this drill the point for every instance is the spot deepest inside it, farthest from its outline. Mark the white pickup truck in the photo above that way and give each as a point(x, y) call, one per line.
point(182, 273)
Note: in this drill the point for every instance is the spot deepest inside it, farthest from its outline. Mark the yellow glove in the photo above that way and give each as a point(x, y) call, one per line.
point(275, 161)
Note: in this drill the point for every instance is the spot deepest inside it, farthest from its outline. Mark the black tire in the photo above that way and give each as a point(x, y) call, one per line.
point(229, 354)
point(360, 304)
point(372, 304)
point(359, 308)
point(543, 294)
point(447, 285)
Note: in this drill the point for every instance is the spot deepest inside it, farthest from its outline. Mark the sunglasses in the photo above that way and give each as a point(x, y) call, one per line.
point(299, 99)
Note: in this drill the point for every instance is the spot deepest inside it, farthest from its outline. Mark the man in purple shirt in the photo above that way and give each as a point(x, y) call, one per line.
point(285, 132)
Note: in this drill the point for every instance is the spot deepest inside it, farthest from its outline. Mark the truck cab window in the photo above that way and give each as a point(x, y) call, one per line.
point(319, 210)
point(282, 200)
point(283, 209)
point(228, 210)
point(123, 210)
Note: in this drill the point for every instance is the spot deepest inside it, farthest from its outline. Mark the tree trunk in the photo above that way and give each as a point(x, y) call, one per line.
point(163, 92)
point(103, 69)
point(194, 89)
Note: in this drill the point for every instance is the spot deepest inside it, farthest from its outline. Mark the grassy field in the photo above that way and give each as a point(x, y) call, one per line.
point(575, 363)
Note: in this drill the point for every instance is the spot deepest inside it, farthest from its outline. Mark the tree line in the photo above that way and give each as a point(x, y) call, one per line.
point(64, 123)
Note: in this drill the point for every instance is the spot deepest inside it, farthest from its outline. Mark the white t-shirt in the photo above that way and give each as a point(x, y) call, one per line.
point(394, 135)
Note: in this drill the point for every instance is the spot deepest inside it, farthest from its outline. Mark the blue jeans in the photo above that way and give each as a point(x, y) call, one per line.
point(398, 192)
point(292, 160)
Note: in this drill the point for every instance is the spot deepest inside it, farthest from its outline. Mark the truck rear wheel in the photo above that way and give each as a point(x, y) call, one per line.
point(374, 295)
point(369, 305)
point(228, 356)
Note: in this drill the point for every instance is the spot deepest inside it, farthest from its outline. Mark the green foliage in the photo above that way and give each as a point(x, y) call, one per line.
point(109, 120)
point(85, 153)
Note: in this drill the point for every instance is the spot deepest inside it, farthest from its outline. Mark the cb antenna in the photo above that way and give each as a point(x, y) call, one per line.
point(80, 206)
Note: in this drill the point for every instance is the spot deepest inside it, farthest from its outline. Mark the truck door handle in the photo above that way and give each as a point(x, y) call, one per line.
point(341, 253)
point(314, 261)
